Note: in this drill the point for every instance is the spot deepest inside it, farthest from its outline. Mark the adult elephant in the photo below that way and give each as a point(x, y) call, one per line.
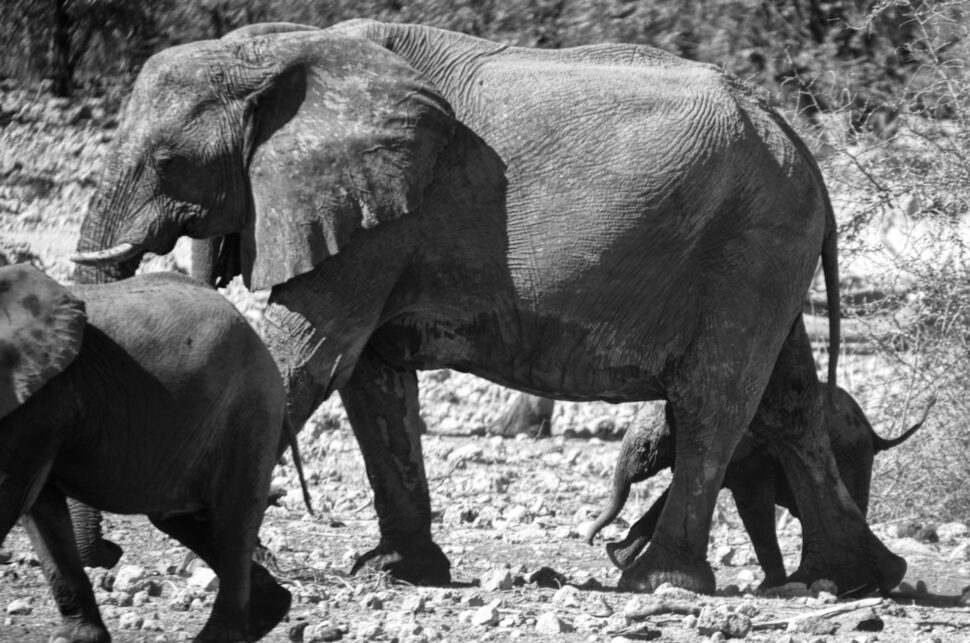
point(606, 222)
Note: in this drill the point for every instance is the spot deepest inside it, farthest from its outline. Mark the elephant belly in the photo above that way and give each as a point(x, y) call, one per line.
point(540, 354)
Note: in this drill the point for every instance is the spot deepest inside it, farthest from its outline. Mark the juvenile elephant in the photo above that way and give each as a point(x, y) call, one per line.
point(755, 479)
point(160, 400)
point(605, 222)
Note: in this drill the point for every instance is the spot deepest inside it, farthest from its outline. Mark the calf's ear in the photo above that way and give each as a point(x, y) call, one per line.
point(41, 328)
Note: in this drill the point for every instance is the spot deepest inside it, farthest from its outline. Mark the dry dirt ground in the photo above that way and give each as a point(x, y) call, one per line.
point(510, 514)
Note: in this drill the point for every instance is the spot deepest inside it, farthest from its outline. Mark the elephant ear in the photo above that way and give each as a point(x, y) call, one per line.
point(41, 327)
point(345, 136)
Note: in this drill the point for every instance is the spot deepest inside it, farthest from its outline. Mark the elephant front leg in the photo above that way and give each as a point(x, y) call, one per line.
point(382, 405)
point(752, 483)
point(48, 525)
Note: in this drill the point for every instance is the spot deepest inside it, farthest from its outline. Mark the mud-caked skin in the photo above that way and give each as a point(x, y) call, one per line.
point(152, 395)
point(754, 478)
point(606, 222)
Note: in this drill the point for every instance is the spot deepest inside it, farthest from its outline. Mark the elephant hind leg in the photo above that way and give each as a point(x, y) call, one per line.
point(48, 525)
point(250, 602)
point(837, 543)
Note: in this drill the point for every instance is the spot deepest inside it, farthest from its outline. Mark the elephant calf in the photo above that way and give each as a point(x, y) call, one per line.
point(159, 399)
point(755, 479)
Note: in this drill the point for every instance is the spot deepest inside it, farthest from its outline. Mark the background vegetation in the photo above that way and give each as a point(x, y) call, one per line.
point(881, 90)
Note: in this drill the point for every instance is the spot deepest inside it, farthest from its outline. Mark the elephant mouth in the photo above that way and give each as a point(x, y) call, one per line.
point(117, 254)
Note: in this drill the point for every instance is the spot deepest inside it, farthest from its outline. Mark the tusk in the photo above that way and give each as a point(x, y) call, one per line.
point(117, 254)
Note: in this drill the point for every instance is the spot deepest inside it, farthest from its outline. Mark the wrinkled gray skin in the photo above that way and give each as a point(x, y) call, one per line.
point(170, 383)
point(606, 222)
point(754, 477)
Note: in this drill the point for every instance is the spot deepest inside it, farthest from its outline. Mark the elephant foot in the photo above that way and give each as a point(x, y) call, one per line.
point(653, 569)
point(857, 570)
point(774, 579)
point(421, 563)
point(623, 554)
point(104, 554)
point(269, 604)
point(74, 632)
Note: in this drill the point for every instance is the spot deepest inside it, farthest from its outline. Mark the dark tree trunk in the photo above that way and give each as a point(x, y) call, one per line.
point(61, 41)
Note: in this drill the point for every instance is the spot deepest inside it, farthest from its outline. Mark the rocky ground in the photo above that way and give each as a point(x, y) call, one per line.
point(510, 514)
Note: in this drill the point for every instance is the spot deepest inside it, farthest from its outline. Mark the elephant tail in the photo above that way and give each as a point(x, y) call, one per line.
point(882, 444)
point(297, 460)
point(830, 268)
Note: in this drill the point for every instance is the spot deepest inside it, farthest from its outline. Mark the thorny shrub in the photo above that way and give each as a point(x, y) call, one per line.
point(901, 185)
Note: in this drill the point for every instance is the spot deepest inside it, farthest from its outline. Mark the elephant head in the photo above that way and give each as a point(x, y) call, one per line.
point(41, 334)
point(221, 138)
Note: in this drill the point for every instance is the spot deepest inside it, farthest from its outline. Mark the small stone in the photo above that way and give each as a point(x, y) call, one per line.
point(371, 601)
point(140, 598)
point(497, 580)
point(130, 621)
point(486, 615)
point(824, 585)
point(321, 632)
point(473, 600)
point(721, 619)
point(813, 625)
point(566, 596)
point(950, 531)
point(458, 514)
point(370, 631)
point(152, 624)
point(588, 623)
point(724, 555)
point(413, 604)
point(672, 592)
point(745, 577)
point(690, 621)
point(19, 607)
point(546, 577)
point(467, 453)
point(716, 637)
point(203, 578)
point(550, 623)
point(129, 578)
point(617, 622)
point(519, 514)
point(827, 599)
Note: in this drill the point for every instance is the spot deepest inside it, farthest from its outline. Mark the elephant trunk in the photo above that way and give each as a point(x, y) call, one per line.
point(882, 444)
point(99, 257)
point(95, 551)
point(618, 498)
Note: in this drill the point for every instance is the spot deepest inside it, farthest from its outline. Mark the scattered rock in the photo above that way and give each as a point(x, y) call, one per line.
point(203, 578)
point(824, 585)
point(19, 607)
point(724, 555)
point(566, 596)
point(413, 603)
point(723, 619)
point(130, 621)
point(950, 531)
point(497, 580)
point(466, 453)
point(130, 578)
point(550, 623)
point(486, 615)
point(813, 625)
point(372, 601)
point(546, 577)
point(673, 593)
point(458, 514)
